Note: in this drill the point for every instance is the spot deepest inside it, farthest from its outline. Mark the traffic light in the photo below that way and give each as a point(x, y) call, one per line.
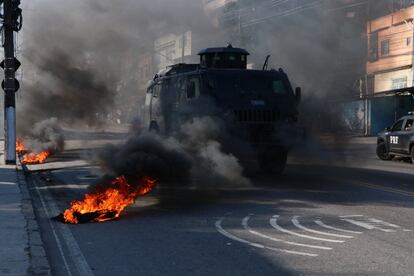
point(16, 85)
point(17, 65)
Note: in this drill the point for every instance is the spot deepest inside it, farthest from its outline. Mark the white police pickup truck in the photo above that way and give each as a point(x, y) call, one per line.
point(397, 140)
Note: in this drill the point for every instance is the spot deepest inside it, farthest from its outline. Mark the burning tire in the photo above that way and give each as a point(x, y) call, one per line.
point(383, 153)
point(273, 161)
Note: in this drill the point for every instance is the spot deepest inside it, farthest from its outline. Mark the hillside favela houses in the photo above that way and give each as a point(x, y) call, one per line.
point(389, 79)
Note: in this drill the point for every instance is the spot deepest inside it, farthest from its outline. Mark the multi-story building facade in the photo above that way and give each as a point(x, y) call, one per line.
point(145, 69)
point(390, 52)
point(171, 49)
point(389, 68)
point(214, 5)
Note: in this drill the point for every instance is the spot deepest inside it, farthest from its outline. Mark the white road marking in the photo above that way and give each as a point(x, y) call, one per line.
point(257, 245)
point(385, 189)
point(10, 209)
point(59, 244)
point(7, 183)
point(79, 260)
point(384, 223)
point(351, 216)
point(273, 222)
point(69, 186)
point(360, 223)
point(296, 222)
point(246, 226)
point(320, 223)
point(407, 230)
point(367, 225)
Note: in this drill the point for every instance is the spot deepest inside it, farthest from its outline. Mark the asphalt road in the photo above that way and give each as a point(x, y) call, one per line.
point(336, 211)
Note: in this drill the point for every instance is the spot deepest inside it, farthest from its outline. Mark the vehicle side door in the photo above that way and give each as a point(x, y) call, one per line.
point(189, 92)
point(192, 88)
point(406, 135)
point(394, 136)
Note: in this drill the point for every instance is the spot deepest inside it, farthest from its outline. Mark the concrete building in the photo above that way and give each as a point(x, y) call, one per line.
point(145, 69)
point(390, 52)
point(214, 9)
point(171, 49)
point(389, 80)
point(213, 5)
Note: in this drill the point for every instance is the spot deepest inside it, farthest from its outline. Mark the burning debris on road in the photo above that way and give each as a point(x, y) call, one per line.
point(35, 158)
point(44, 139)
point(107, 203)
point(148, 159)
point(28, 157)
point(20, 147)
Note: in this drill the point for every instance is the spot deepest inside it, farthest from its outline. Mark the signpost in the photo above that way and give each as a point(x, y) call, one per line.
point(12, 22)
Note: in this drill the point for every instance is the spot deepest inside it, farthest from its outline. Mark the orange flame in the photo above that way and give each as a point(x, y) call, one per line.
point(20, 147)
point(30, 158)
point(109, 203)
point(35, 158)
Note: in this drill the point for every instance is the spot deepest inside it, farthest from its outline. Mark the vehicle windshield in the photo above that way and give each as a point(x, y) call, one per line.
point(245, 84)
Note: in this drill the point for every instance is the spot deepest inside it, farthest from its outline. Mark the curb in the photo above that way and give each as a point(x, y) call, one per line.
point(38, 262)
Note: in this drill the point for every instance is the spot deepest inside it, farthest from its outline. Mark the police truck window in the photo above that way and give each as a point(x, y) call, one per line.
point(409, 125)
point(398, 125)
point(279, 87)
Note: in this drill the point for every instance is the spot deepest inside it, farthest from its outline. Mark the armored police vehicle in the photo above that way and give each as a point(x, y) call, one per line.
point(257, 106)
point(397, 140)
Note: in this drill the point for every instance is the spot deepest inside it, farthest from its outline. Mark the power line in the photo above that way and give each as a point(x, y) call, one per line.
point(303, 8)
point(287, 12)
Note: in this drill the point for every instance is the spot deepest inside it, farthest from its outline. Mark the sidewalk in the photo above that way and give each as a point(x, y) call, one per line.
point(341, 139)
point(21, 247)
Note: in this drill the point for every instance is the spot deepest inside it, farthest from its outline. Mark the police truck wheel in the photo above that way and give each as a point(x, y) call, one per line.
point(383, 153)
point(412, 154)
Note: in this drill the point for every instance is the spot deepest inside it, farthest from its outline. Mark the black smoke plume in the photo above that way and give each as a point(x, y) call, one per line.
point(72, 95)
point(80, 58)
point(192, 155)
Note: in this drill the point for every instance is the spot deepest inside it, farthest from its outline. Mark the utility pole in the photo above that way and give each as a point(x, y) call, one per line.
point(12, 22)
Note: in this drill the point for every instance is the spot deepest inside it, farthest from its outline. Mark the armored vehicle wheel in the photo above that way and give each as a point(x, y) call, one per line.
point(273, 161)
point(383, 153)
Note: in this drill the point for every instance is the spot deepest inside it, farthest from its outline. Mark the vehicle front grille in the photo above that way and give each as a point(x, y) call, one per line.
point(256, 116)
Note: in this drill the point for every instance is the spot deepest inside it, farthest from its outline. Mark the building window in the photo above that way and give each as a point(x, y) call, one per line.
point(408, 41)
point(373, 47)
point(385, 47)
point(399, 83)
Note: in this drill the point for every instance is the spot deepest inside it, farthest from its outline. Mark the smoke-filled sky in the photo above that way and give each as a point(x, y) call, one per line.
point(80, 58)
